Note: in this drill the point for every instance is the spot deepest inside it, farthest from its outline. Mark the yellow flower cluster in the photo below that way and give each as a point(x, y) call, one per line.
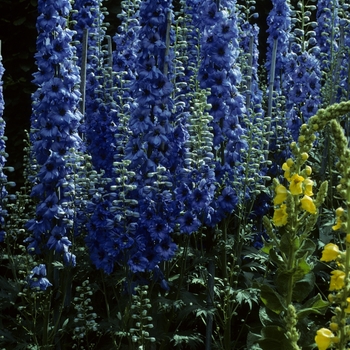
point(298, 185)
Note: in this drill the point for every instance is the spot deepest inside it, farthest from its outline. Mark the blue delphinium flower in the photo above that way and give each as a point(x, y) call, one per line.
point(219, 73)
point(150, 147)
point(3, 177)
point(37, 278)
point(279, 27)
point(54, 134)
point(302, 86)
point(327, 33)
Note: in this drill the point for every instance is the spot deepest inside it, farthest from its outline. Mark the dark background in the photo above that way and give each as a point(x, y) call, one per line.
point(18, 37)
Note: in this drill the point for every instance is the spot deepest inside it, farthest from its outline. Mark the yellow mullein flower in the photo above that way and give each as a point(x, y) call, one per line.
point(286, 169)
point(323, 338)
point(296, 184)
point(337, 280)
point(330, 252)
point(281, 194)
point(280, 216)
point(308, 183)
point(308, 204)
point(338, 213)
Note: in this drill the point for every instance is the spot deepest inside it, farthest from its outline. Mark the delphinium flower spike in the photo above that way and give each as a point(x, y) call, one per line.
point(279, 28)
point(302, 73)
point(54, 130)
point(3, 177)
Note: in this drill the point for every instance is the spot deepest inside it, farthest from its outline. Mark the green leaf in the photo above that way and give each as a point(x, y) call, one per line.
point(272, 299)
point(306, 249)
point(314, 305)
point(303, 268)
point(58, 265)
point(267, 247)
point(275, 257)
point(303, 287)
point(269, 318)
point(273, 338)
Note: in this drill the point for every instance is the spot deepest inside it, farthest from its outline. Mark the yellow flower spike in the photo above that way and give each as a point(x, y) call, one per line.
point(323, 338)
point(337, 280)
point(308, 204)
point(281, 194)
point(330, 252)
point(280, 216)
point(308, 183)
point(296, 184)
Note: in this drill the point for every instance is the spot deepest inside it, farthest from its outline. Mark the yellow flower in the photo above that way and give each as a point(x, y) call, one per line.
point(323, 338)
point(338, 213)
point(280, 216)
point(330, 252)
point(337, 225)
point(286, 169)
point(296, 184)
point(281, 194)
point(308, 205)
point(337, 280)
point(308, 183)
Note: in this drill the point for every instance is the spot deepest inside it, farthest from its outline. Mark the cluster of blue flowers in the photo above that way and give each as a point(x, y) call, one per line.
point(3, 177)
point(55, 122)
point(171, 120)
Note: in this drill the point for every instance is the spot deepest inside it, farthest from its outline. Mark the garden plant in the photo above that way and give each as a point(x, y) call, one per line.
point(185, 185)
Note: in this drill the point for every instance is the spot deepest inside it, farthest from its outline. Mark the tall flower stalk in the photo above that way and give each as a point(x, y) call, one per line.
point(55, 141)
point(3, 177)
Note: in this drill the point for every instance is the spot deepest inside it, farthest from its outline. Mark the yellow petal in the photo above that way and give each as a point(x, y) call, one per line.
point(296, 184)
point(280, 216)
point(308, 183)
point(337, 280)
point(308, 204)
point(330, 252)
point(281, 194)
point(323, 338)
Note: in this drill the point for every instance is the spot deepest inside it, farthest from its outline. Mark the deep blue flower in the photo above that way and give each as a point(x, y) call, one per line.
point(37, 278)
point(228, 200)
point(189, 222)
point(166, 249)
point(138, 263)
